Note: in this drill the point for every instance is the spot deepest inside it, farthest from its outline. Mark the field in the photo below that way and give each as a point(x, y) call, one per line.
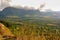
point(34, 29)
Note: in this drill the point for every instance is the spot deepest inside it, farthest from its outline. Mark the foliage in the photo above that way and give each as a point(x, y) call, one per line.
point(35, 30)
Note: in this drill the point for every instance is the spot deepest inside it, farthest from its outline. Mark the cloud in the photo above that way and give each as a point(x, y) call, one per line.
point(4, 3)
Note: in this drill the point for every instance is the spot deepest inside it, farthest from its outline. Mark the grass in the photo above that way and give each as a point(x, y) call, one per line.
point(35, 30)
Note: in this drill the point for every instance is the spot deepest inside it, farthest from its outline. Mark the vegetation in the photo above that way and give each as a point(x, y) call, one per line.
point(31, 24)
point(34, 29)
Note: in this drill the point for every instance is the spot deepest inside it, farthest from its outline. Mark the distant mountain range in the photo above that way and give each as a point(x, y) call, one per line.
point(11, 12)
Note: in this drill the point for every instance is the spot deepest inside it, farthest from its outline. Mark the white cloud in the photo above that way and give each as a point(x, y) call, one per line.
point(4, 3)
point(50, 4)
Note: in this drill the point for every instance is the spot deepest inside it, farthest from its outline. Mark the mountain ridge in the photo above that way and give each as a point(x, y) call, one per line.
point(30, 13)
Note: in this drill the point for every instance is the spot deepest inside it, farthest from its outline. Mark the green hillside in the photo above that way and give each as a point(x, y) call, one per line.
point(31, 24)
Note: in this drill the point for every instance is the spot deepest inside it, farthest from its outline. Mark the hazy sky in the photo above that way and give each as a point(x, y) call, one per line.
point(4, 3)
point(49, 4)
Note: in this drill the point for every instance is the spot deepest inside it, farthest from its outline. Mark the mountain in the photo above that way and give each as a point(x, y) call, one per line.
point(15, 12)
point(11, 12)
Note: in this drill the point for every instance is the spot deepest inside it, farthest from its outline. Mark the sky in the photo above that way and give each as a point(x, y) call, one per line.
point(4, 3)
point(49, 4)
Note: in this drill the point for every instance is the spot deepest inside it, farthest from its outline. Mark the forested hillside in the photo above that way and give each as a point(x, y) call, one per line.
point(29, 24)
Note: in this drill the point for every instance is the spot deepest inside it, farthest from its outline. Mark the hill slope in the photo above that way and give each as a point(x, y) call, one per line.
point(11, 12)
